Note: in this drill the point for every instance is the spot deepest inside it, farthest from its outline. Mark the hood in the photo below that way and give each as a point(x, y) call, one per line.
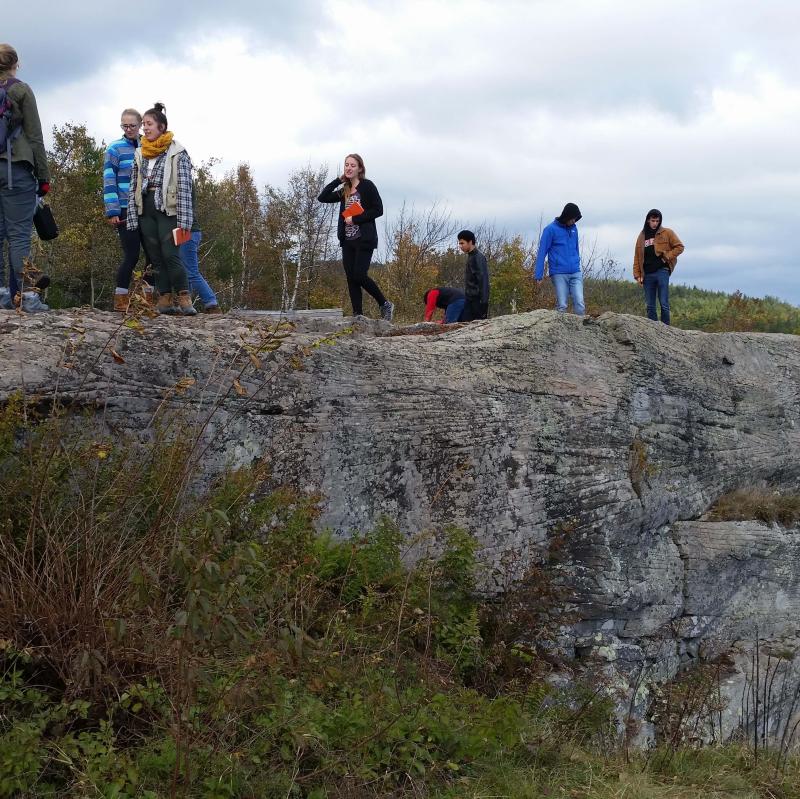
point(571, 211)
point(652, 212)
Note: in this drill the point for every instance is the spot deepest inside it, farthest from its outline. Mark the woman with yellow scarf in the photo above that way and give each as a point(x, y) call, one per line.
point(161, 201)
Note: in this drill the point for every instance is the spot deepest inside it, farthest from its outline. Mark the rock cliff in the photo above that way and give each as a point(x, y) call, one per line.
point(592, 447)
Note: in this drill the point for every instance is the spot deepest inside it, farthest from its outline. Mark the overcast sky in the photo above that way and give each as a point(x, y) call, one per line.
point(502, 111)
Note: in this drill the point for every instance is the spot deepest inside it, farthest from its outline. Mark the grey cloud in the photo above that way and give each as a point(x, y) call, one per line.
point(541, 58)
point(66, 41)
point(488, 94)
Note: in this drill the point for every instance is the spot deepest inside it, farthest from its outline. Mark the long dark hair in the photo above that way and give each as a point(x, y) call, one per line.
point(157, 113)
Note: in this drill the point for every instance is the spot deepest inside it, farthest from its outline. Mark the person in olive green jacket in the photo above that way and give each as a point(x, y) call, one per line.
point(24, 174)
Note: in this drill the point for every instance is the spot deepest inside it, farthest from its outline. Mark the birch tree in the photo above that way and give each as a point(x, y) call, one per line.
point(302, 232)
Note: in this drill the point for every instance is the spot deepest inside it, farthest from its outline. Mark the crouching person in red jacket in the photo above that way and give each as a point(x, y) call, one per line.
point(448, 299)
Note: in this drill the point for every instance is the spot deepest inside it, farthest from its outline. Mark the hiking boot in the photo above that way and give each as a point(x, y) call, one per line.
point(121, 302)
point(185, 306)
point(32, 302)
point(164, 305)
point(212, 309)
point(387, 311)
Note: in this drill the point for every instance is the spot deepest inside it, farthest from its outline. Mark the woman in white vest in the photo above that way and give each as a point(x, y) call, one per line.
point(161, 200)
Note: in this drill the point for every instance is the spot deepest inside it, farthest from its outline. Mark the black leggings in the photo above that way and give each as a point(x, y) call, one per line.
point(356, 264)
point(131, 241)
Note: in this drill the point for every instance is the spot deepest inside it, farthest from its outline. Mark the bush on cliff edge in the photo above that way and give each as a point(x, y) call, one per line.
point(155, 642)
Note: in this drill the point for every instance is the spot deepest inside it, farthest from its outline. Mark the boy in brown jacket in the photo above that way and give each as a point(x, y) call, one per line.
point(654, 258)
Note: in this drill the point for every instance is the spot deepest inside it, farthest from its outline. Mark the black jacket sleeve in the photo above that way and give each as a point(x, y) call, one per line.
point(483, 277)
point(370, 201)
point(329, 193)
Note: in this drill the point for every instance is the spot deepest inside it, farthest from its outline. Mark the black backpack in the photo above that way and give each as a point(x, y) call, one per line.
point(8, 131)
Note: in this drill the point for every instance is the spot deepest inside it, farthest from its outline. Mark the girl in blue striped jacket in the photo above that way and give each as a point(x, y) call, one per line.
point(117, 168)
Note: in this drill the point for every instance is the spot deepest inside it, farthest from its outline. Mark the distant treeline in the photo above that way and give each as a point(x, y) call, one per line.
point(275, 247)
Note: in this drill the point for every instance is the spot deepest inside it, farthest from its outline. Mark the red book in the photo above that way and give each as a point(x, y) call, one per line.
point(354, 209)
point(181, 236)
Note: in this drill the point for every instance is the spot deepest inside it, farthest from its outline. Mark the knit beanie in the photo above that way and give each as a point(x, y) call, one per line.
point(571, 211)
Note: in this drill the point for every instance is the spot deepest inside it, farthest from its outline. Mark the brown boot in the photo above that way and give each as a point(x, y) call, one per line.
point(185, 306)
point(164, 305)
point(121, 302)
point(212, 309)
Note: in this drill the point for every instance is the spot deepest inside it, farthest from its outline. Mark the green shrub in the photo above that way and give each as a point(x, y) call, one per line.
point(220, 647)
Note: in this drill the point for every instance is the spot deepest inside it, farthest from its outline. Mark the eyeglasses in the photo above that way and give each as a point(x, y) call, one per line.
point(131, 127)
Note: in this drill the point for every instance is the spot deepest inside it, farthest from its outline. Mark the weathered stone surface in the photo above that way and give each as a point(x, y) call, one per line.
point(588, 445)
point(739, 577)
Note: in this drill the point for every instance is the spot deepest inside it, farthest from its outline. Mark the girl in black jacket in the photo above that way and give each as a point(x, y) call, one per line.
point(358, 235)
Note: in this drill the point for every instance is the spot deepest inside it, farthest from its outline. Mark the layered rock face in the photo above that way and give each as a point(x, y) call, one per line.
point(591, 446)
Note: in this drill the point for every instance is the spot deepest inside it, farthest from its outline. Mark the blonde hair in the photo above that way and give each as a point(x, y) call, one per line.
point(8, 58)
point(131, 112)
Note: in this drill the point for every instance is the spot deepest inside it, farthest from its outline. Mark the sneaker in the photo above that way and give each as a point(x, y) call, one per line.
point(387, 311)
point(32, 302)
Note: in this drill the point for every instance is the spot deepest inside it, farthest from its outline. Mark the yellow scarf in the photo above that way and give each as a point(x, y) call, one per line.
point(151, 149)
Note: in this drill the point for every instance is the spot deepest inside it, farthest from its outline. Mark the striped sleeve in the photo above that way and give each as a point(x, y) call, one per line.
point(110, 189)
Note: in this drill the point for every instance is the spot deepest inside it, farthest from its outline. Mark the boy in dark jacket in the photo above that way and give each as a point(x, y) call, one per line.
point(476, 279)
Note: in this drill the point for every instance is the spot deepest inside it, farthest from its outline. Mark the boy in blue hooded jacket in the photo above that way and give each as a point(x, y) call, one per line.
point(559, 244)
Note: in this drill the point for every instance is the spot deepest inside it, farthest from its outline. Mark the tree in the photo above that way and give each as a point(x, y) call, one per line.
point(512, 287)
point(83, 258)
point(302, 233)
point(414, 243)
point(248, 217)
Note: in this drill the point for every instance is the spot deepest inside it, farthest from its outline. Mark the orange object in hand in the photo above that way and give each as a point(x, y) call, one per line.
point(181, 236)
point(354, 209)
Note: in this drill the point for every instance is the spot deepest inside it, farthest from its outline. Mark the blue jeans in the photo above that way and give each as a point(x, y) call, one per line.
point(197, 283)
point(17, 207)
point(567, 286)
point(453, 311)
point(657, 283)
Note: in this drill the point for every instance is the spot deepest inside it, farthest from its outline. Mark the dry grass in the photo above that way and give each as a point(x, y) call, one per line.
point(758, 503)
